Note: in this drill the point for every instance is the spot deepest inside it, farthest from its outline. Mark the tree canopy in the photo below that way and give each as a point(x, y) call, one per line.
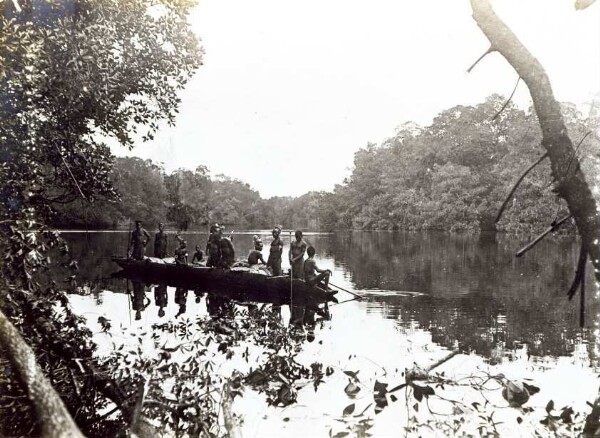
point(74, 74)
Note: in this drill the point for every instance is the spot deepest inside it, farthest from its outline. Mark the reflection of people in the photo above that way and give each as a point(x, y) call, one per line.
point(218, 306)
point(181, 299)
point(198, 256)
point(139, 240)
point(160, 242)
point(312, 274)
point(139, 300)
point(296, 255)
point(198, 293)
point(275, 252)
point(255, 255)
point(161, 299)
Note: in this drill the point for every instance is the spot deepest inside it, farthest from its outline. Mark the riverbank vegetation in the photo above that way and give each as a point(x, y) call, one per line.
point(452, 175)
point(76, 72)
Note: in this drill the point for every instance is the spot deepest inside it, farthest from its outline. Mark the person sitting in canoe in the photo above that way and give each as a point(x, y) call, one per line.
point(213, 250)
point(275, 252)
point(139, 240)
point(198, 257)
point(181, 253)
point(255, 256)
point(312, 274)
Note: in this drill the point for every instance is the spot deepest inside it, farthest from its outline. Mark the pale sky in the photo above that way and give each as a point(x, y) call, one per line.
point(289, 90)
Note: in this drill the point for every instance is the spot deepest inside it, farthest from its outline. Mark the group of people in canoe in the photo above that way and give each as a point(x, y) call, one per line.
point(220, 253)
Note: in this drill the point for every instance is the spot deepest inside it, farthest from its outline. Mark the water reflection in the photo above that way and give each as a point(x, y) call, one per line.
point(477, 295)
point(139, 300)
point(161, 299)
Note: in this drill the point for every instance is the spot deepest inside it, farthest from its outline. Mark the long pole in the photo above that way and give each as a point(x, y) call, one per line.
point(360, 297)
point(582, 303)
point(291, 274)
point(128, 240)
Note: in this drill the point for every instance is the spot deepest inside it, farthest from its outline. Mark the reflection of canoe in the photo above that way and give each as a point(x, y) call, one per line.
point(239, 284)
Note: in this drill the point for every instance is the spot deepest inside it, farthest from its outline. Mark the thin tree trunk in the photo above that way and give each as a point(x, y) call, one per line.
point(52, 415)
point(570, 183)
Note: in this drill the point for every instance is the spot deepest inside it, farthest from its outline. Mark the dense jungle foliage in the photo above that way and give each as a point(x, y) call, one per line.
point(452, 175)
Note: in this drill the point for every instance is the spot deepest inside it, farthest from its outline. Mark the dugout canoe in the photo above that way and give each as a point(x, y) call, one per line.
point(240, 284)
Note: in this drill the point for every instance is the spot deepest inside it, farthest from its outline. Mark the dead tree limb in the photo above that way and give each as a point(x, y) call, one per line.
point(582, 300)
point(566, 175)
point(579, 273)
point(231, 425)
point(487, 52)
point(514, 188)
point(574, 190)
point(507, 100)
point(52, 415)
point(553, 227)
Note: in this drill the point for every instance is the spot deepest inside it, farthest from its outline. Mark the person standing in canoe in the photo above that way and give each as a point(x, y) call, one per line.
point(160, 242)
point(312, 274)
point(275, 252)
point(213, 251)
point(227, 250)
point(296, 255)
point(139, 240)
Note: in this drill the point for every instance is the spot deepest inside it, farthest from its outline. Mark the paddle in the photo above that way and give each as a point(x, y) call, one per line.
point(360, 297)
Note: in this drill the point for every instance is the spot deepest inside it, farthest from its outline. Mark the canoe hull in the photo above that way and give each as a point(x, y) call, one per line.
point(235, 284)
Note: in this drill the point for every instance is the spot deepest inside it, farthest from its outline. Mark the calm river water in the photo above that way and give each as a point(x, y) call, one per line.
point(426, 293)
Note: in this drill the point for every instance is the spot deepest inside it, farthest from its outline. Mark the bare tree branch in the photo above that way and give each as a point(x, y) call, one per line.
point(566, 175)
point(487, 52)
point(233, 430)
point(553, 227)
point(53, 417)
point(574, 190)
point(514, 188)
point(579, 273)
point(507, 100)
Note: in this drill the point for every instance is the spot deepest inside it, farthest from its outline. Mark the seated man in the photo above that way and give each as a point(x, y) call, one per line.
point(198, 256)
point(255, 255)
point(181, 252)
point(312, 274)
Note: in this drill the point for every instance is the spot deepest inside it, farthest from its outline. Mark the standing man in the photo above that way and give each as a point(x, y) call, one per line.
point(227, 250)
point(160, 242)
point(296, 255)
point(139, 240)
point(275, 252)
point(213, 251)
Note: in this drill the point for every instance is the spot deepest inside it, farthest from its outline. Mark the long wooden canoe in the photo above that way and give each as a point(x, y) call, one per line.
point(237, 283)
